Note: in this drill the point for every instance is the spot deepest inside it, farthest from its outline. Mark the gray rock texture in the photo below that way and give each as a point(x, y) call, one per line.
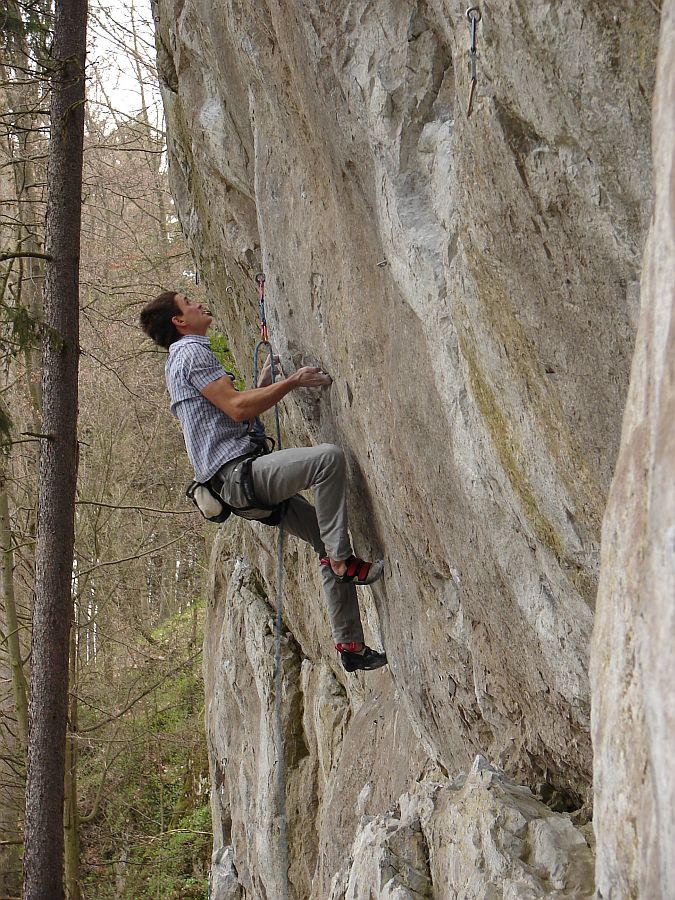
point(482, 836)
point(633, 664)
point(225, 884)
point(472, 285)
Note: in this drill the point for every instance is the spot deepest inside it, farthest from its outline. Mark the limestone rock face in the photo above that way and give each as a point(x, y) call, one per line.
point(633, 665)
point(482, 836)
point(350, 749)
point(225, 884)
point(472, 286)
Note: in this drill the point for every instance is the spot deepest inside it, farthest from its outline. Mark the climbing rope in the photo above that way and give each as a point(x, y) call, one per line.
point(264, 342)
point(473, 15)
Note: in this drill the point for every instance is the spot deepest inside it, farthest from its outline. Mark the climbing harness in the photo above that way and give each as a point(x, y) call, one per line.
point(206, 496)
point(473, 15)
point(264, 342)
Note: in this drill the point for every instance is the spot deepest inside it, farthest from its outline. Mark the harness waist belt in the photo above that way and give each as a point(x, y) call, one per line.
point(268, 514)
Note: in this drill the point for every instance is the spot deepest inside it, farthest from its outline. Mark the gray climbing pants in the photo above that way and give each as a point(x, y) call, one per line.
point(279, 476)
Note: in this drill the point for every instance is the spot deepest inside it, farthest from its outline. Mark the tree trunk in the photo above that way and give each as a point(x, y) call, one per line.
point(71, 818)
point(43, 857)
point(13, 739)
point(11, 807)
point(13, 644)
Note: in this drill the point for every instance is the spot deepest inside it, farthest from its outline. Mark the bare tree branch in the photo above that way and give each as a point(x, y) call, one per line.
point(23, 254)
point(164, 512)
point(116, 562)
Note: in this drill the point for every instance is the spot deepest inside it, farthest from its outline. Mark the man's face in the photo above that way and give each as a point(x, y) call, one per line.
point(193, 318)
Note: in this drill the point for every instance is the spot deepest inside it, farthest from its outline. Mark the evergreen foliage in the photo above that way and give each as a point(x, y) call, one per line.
point(5, 430)
point(19, 330)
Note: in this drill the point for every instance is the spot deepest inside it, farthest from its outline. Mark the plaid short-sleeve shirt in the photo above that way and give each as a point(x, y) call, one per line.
point(212, 438)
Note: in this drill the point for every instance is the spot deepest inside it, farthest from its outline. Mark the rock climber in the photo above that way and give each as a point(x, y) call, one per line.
point(221, 429)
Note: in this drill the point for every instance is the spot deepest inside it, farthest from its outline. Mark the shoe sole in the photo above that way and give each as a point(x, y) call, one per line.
point(357, 668)
point(376, 572)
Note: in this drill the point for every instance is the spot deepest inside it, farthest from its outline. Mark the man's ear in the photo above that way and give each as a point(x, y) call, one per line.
point(178, 321)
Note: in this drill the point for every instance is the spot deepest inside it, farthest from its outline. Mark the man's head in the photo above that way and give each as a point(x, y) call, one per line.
point(170, 316)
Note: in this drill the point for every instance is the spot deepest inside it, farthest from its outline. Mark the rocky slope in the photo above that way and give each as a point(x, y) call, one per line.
point(472, 285)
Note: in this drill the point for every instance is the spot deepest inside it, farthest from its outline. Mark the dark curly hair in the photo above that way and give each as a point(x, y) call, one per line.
point(156, 319)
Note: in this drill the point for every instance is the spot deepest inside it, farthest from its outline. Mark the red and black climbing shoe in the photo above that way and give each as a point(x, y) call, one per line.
point(365, 659)
point(358, 571)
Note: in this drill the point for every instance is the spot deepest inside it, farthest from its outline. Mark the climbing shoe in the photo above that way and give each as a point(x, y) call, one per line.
point(365, 659)
point(358, 571)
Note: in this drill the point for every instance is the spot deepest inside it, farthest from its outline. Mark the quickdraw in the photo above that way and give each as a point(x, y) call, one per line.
point(473, 15)
point(264, 342)
point(260, 281)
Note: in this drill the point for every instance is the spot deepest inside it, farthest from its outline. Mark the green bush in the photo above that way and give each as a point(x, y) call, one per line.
point(221, 348)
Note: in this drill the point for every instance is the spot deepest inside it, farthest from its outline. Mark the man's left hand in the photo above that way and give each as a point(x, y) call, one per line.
point(265, 376)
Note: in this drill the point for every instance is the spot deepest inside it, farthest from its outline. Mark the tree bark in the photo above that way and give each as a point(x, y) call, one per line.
point(12, 740)
point(19, 684)
point(43, 857)
point(71, 817)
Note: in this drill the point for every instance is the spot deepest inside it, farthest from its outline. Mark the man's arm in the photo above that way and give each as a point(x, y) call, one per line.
point(243, 405)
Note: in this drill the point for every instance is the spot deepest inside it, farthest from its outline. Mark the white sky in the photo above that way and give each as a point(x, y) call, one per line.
point(110, 56)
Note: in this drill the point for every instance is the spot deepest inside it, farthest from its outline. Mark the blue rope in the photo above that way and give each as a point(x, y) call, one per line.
point(267, 345)
point(278, 630)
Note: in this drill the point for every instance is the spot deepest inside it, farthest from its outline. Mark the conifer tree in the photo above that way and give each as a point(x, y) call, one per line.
point(43, 858)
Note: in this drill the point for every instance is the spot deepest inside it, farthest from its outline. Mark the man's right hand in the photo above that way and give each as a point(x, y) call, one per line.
point(242, 406)
point(311, 377)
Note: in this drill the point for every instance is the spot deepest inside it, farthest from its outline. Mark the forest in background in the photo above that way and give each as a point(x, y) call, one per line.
point(136, 819)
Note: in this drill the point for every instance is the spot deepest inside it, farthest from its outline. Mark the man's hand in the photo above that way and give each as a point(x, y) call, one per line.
point(311, 377)
point(265, 376)
point(245, 405)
